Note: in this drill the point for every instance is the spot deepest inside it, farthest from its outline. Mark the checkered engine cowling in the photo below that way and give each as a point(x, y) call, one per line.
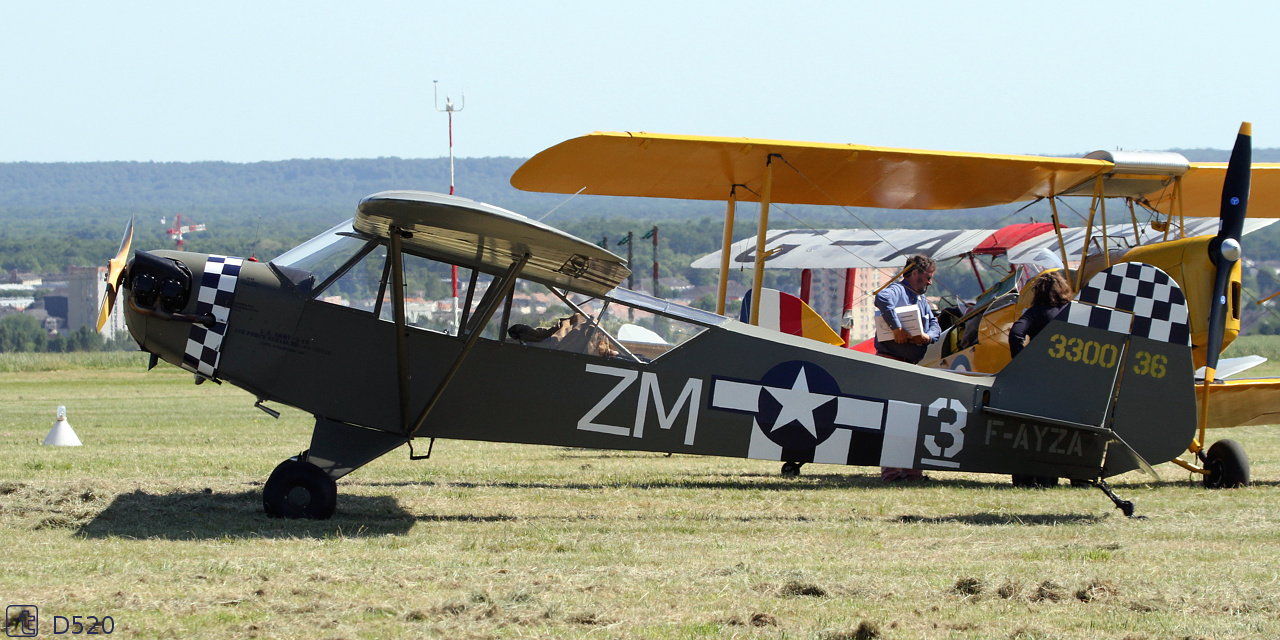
point(1134, 298)
point(217, 290)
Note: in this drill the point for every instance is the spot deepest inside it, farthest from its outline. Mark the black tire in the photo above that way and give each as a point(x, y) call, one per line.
point(791, 469)
point(298, 489)
point(1227, 464)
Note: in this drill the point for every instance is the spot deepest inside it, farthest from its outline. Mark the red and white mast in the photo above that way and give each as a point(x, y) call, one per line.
point(450, 109)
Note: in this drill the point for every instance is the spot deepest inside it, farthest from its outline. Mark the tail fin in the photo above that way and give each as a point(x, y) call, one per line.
point(787, 313)
point(1116, 362)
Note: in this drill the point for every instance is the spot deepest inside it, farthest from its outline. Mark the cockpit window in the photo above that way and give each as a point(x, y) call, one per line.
point(629, 326)
point(322, 256)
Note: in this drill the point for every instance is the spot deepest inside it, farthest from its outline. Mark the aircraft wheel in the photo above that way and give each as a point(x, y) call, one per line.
point(298, 489)
point(791, 469)
point(1227, 464)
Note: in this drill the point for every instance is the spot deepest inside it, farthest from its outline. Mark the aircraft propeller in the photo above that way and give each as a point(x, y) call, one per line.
point(115, 275)
point(1224, 251)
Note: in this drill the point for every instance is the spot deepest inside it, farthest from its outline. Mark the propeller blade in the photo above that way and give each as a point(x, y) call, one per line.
point(1225, 248)
point(115, 275)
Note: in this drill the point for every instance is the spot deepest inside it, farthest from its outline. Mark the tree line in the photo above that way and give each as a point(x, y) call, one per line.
point(55, 215)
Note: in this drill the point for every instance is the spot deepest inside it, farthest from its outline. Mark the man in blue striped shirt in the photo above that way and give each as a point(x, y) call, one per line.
point(916, 278)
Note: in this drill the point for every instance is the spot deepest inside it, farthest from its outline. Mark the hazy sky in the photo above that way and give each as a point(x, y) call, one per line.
point(264, 80)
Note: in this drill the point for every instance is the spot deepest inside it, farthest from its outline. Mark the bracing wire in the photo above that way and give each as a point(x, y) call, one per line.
point(566, 201)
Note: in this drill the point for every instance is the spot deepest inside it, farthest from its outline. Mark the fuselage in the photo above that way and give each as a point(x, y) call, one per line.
point(731, 390)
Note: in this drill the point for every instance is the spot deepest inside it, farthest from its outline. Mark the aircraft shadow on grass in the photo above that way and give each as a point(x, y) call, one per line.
point(1007, 519)
point(196, 515)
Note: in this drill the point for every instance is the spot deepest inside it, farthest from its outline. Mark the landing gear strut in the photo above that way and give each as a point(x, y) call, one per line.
point(299, 489)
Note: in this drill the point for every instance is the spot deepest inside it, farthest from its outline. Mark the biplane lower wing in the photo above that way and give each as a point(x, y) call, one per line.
point(1244, 402)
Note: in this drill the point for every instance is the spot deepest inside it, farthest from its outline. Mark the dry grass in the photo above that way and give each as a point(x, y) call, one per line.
point(157, 522)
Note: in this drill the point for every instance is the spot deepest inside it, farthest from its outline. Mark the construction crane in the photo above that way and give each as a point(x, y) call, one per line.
point(179, 228)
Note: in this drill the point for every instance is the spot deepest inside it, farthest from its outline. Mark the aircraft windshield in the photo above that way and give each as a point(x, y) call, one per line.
point(324, 254)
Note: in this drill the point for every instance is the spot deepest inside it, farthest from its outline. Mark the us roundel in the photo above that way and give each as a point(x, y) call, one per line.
point(798, 405)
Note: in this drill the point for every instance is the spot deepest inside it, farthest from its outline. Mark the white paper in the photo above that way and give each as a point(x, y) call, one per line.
point(908, 317)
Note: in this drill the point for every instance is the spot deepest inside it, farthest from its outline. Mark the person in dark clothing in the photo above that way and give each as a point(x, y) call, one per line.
point(1050, 295)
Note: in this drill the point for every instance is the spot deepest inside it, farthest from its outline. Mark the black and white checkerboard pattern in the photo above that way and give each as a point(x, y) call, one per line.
point(217, 289)
point(1134, 298)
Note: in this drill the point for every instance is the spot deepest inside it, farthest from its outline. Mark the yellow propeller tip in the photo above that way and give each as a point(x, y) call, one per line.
point(1246, 128)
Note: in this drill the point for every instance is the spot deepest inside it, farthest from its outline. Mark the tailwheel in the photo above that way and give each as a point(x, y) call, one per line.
point(299, 489)
point(1227, 464)
point(791, 469)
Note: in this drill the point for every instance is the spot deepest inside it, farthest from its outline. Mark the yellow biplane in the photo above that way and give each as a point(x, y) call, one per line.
point(1173, 192)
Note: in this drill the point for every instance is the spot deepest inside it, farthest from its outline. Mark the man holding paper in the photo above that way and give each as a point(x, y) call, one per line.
point(905, 324)
point(905, 327)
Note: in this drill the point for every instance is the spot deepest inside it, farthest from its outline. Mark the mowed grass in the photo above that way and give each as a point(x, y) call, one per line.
point(157, 522)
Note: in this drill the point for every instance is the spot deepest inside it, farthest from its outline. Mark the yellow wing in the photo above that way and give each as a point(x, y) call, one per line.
point(1244, 402)
point(706, 168)
point(1202, 191)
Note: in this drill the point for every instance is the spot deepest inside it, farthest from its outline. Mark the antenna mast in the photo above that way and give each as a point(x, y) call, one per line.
point(449, 109)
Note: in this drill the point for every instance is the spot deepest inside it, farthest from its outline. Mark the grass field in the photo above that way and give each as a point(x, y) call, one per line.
point(157, 522)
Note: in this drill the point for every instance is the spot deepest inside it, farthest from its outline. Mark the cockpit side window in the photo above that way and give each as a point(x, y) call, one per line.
point(538, 316)
point(356, 285)
point(428, 295)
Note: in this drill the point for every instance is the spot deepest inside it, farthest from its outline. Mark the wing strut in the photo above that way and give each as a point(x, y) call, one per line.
point(763, 229)
point(508, 283)
point(723, 284)
point(397, 302)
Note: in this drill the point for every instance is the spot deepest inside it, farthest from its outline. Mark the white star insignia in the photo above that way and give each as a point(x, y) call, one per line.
point(798, 404)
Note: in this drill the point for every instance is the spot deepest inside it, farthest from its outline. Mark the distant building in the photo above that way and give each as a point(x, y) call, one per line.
point(826, 296)
point(56, 305)
point(86, 289)
point(17, 295)
point(16, 277)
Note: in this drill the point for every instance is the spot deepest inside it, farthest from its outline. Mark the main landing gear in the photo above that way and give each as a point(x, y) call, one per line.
point(299, 489)
point(1227, 465)
point(791, 469)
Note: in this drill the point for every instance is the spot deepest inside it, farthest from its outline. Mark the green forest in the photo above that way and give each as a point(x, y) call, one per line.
point(55, 215)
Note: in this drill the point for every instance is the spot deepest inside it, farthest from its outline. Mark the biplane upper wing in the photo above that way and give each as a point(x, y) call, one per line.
point(707, 168)
point(489, 239)
point(1202, 191)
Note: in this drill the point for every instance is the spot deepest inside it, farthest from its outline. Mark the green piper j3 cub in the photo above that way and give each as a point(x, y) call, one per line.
point(547, 349)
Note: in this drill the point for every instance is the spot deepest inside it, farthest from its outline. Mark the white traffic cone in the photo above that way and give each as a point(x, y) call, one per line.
point(62, 435)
